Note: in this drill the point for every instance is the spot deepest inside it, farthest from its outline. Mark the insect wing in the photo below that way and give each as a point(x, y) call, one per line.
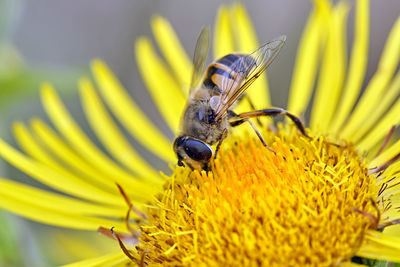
point(200, 56)
point(244, 71)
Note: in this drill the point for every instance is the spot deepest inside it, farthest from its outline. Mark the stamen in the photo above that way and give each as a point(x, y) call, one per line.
point(124, 249)
point(384, 166)
point(130, 205)
point(128, 239)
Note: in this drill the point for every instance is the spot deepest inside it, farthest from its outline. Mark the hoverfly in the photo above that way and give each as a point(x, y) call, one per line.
point(208, 116)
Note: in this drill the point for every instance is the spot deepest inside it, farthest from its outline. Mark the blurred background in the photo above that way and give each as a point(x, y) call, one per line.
point(54, 41)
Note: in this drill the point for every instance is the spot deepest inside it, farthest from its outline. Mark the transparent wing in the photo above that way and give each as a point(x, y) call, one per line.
point(200, 56)
point(244, 71)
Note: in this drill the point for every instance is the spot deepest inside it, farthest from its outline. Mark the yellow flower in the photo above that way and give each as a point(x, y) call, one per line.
point(317, 201)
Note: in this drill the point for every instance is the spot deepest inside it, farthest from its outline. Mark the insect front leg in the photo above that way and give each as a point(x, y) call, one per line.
point(223, 136)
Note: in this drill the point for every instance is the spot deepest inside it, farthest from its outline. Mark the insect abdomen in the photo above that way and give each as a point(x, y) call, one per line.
point(224, 70)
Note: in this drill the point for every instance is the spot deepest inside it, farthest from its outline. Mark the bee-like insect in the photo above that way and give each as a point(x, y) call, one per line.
point(208, 115)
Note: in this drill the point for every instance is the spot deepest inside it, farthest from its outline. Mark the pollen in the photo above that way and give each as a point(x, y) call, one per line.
point(295, 207)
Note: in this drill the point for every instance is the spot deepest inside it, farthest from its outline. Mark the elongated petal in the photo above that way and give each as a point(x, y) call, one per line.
point(386, 155)
point(358, 65)
point(68, 156)
point(332, 70)
point(223, 36)
point(54, 217)
point(375, 117)
point(305, 69)
point(376, 87)
point(246, 39)
point(63, 182)
point(380, 246)
point(172, 50)
point(30, 146)
point(381, 128)
point(164, 90)
point(68, 128)
point(111, 136)
point(56, 202)
point(106, 260)
point(130, 115)
point(224, 44)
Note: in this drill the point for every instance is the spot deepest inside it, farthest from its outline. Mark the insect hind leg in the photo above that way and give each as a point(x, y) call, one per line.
point(274, 112)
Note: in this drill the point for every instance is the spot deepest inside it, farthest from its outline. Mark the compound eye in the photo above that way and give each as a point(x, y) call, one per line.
point(197, 150)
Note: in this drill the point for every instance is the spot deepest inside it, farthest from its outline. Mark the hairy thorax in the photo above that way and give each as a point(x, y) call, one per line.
point(199, 118)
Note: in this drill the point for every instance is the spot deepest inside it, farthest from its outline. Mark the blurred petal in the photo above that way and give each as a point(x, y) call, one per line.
point(381, 129)
point(375, 127)
point(62, 181)
point(386, 155)
point(73, 160)
point(30, 146)
point(106, 260)
point(305, 69)
point(41, 214)
point(377, 85)
point(380, 246)
point(358, 65)
point(172, 50)
point(332, 70)
point(246, 38)
point(60, 203)
point(107, 131)
point(73, 133)
point(130, 115)
point(223, 36)
point(166, 93)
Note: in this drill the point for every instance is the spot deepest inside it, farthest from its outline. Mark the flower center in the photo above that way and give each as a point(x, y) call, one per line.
point(255, 207)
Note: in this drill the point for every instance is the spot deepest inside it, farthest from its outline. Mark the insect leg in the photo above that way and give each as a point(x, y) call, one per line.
point(242, 120)
point(274, 112)
point(253, 107)
point(224, 133)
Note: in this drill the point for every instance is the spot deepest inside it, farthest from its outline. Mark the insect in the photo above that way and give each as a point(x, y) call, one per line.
point(208, 113)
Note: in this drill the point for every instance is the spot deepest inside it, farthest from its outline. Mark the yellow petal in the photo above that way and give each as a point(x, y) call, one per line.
point(393, 230)
point(223, 42)
point(65, 153)
point(54, 217)
point(166, 93)
point(386, 155)
point(130, 115)
point(112, 138)
point(63, 182)
point(358, 65)
point(246, 39)
point(376, 87)
point(305, 69)
point(71, 131)
point(34, 150)
point(375, 119)
point(223, 36)
point(351, 264)
point(77, 245)
point(106, 260)
point(172, 50)
point(60, 203)
point(332, 70)
point(381, 247)
point(381, 128)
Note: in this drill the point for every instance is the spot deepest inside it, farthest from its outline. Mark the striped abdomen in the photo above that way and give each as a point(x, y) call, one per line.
point(225, 71)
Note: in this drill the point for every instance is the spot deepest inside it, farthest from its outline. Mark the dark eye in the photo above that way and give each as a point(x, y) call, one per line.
point(197, 150)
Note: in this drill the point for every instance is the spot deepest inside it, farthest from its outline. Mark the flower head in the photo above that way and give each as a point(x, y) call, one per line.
point(319, 200)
